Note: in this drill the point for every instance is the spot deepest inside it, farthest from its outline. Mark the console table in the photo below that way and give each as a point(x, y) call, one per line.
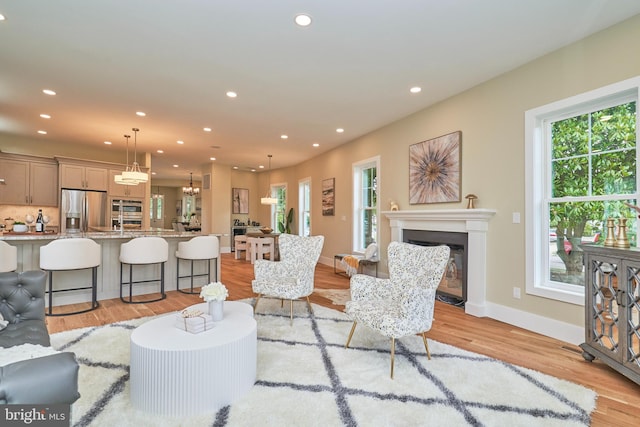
point(612, 308)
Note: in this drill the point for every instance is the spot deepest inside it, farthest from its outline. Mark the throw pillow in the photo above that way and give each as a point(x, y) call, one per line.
point(371, 250)
point(3, 323)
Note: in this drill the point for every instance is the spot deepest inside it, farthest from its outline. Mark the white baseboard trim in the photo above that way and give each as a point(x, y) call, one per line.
point(542, 325)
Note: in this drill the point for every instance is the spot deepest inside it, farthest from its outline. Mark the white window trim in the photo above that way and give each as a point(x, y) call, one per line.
point(536, 163)
point(357, 198)
point(301, 183)
point(273, 191)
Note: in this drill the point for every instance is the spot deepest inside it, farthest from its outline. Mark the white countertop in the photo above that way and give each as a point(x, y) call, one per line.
point(108, 234)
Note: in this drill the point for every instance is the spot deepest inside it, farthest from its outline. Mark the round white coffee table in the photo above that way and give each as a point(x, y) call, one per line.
point(174, 372)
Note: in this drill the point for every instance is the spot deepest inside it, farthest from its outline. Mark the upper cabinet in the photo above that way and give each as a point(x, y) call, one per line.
point(82, 177)
point(119, 191)
point(26, 180)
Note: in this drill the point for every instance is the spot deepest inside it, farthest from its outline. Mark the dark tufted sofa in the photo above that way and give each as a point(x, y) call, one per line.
point(43, 380)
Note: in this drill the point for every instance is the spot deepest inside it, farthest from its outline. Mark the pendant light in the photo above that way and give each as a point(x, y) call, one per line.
point(191, 190)
point(134, 174)
point(267, 199)
point(118, 178)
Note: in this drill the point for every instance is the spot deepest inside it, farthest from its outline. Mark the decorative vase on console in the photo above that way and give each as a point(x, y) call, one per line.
point(215, 294)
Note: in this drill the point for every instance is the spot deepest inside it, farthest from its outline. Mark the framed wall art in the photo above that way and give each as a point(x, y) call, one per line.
point(328, 197)
point(240, 202)
point(434, 170)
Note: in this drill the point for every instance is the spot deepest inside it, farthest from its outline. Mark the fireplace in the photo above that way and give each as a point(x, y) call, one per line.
point(453, 286)
point(472, 222)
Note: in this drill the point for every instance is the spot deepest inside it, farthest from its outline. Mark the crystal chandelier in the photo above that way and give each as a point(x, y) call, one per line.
point(191, 190)
point(267, 199)
point(134, 174)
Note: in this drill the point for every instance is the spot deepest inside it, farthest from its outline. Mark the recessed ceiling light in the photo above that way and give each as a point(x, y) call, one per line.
point(153, 173)
point(235, 167)
point(303, 20)
point(415, 89)
point(141, 113)
point(2, 18)
point(160, 151)
point(339, 130)
point(207, 129)
point(315, 144)
point(253, 170)
point(212, 158)
point(107, 142)
point(42, 132)
point(284, 136)
point(45, 116)
point(176, 166)
point(261, 166)
point(48, 92)
point(231, 94)
point(180, 142)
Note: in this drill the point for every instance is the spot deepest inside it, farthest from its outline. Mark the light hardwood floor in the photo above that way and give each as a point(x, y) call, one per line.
point(618, 398)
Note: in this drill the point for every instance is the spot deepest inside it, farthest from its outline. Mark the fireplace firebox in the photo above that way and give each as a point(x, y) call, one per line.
point(453, 286)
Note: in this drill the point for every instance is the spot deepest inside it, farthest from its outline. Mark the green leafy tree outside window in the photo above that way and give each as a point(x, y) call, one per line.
point(593, 162)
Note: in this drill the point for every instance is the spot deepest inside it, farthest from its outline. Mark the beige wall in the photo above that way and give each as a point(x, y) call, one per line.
point(491, 118)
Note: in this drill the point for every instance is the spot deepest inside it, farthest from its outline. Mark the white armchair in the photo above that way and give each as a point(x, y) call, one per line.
point(291, 277)
point(403, 304)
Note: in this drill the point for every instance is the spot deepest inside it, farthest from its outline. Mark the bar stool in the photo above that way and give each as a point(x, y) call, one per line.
point(260, 246)
point(71, 254)
point(143, 251)
point(201, 248)
point(240, 244)
point(8, 257)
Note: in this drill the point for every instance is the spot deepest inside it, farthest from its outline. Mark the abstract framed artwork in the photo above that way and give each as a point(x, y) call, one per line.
point(240, 201)
point(328, 197)
point(434, 170)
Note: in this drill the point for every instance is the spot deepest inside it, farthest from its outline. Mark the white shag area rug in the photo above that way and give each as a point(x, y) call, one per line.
point(305, 377)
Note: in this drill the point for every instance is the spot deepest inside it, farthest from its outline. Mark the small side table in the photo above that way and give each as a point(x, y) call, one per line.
point(361, 264)
point(177, 373)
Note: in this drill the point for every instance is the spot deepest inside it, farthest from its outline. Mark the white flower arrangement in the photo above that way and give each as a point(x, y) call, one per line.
point(214, 292)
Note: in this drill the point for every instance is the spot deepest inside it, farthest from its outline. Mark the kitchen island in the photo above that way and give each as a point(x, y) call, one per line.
point(29, 244)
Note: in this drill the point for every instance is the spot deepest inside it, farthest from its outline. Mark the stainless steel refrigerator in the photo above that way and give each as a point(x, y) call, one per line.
point(82, 211)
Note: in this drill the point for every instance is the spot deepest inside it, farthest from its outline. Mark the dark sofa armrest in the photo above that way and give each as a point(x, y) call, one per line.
point(43, 380)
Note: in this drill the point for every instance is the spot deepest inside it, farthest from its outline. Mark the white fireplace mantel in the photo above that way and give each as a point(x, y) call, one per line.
point(474, 222)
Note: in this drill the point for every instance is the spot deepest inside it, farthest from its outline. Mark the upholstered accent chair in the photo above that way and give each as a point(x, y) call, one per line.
point(403, 304)
point(292, 276)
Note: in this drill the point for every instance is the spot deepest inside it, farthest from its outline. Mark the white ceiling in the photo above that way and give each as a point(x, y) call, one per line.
point(176, 59)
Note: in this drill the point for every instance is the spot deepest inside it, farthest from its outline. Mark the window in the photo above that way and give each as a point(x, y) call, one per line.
point(278, 214)
point(581, 169)
point(366, 180)
point(304, 207)
point(156, 207)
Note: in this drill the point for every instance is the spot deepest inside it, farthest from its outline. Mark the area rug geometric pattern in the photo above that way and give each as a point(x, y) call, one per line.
point(306, 377)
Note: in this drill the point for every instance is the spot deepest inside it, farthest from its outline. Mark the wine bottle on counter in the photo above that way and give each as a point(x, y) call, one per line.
point(40, 222)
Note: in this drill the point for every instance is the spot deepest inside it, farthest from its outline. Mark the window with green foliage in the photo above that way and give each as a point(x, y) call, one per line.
point(278, 211)
point(582, 161)
point(365, 196)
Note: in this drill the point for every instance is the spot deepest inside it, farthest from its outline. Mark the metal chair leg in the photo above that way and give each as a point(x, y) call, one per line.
point(309, 304)
point(291, 311)
point(393, 351)
point(426, 346)
point(353, 328)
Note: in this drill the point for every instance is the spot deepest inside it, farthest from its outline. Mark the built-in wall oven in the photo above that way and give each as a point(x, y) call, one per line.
point(127, 213)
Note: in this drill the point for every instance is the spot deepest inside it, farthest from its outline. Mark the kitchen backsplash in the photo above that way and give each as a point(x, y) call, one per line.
point(18, 213)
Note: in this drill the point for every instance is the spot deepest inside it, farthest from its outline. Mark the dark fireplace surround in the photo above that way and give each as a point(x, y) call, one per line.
point(453, 287)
